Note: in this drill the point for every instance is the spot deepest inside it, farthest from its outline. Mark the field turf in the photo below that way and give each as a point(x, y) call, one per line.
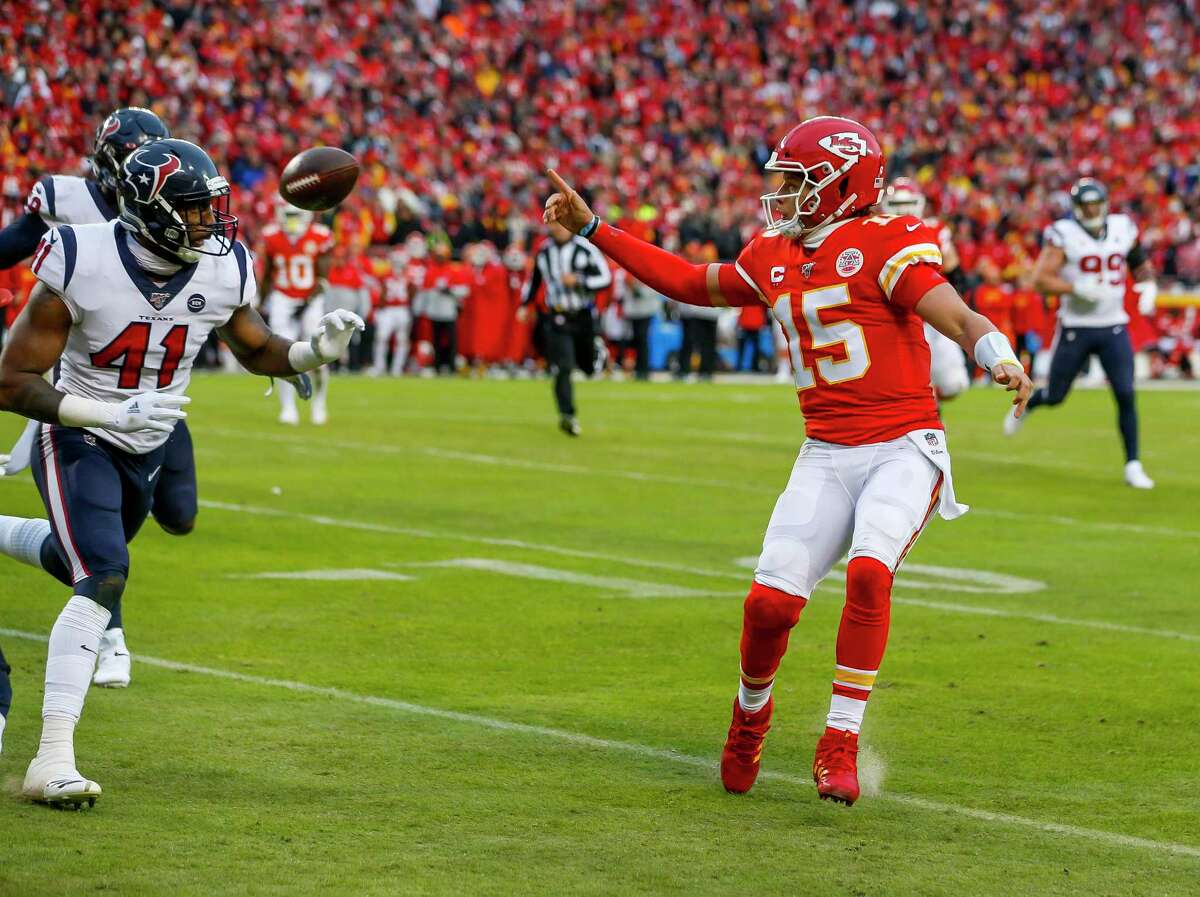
point(436, 647)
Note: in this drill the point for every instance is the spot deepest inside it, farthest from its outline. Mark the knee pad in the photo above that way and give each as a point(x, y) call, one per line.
point(109, 587)
point(768, 608)
point(868, 589)
point(177, 527)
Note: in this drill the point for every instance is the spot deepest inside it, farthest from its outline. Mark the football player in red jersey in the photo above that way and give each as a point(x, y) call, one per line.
point(947, 367)
point(296, 270)
point(852, 290)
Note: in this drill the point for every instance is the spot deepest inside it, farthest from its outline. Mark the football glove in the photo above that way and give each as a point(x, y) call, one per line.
point(149, 411)
point(1088, 294)
point(1147, 293)
point(334, 332)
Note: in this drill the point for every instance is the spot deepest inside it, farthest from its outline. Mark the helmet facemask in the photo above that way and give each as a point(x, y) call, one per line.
point(793, 212)
point(196, 226)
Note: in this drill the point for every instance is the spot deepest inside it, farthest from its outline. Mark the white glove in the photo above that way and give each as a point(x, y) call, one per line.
point(149, 411)
point(334, 332)
point(1090, 292)
point(1147, 293)
point(145, 411)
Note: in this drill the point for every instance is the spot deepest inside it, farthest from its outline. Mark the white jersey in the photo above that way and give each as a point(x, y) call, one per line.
point(65, 199)
point(1092, 259)
point(131, 334)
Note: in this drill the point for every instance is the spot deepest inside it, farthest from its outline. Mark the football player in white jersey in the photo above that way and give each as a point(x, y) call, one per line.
point(947, 363)
point(1086, 258)
point(65, 199)
point(126, 305)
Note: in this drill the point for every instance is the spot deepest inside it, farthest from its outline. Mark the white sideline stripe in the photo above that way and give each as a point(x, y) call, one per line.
point(683, 568)
point(625, 747)
point(646, 477)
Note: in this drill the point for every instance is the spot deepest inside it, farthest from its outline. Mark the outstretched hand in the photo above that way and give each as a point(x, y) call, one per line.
point(1014, 379)
point(566, 207)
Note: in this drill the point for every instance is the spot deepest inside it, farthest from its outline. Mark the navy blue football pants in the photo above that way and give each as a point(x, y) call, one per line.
point(1072, 349)
point(97, 497)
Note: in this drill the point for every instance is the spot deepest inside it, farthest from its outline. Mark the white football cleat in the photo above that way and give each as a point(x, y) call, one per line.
point(289, 416)
point(320, 415)
point(1012, 423)
point(112, 662)
point(58, 784)
point(1136, 477)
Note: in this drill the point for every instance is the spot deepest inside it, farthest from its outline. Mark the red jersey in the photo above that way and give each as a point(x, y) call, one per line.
point(294, 261)
point(857, 347)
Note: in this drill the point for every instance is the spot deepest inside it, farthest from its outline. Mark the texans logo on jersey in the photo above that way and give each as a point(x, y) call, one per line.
point(162, 163)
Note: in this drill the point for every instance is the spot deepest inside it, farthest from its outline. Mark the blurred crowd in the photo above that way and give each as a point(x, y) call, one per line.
point(663, 111)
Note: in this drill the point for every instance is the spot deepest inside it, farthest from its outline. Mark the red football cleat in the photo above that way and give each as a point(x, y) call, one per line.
point(835, 767)
point(743, 748)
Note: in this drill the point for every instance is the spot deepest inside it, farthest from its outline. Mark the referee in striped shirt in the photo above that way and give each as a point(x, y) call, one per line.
point(572, 271)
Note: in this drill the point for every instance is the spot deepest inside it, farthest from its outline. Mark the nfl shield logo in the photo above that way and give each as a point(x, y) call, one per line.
point(931, 438)
point(158, 300)
point(807, 269)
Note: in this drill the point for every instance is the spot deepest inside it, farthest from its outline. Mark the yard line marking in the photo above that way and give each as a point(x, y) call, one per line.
point(1115, 839)
point(494, 460)
point(742, 577)
point(632, 588)
point(647, 477)
point(349, 574)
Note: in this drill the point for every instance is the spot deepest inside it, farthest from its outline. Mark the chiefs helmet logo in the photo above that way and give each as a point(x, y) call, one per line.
point(844, 144)
point(148, 183)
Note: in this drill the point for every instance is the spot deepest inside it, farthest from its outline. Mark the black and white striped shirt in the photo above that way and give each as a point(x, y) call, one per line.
point(553, 260)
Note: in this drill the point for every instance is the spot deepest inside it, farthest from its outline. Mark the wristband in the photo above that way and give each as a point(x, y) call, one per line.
point(303, 357)
point(74, 411)
point(992, 349)
point(590, 227)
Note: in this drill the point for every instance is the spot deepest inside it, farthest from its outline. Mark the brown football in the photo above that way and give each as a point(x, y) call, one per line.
point(318, 178)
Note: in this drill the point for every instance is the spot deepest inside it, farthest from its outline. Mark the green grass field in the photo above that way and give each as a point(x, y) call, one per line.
point(523, 683)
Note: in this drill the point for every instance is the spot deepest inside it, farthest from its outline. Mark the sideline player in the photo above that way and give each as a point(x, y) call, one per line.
point(1087, 257)
point(66, 199)
point(127, 306)
point(947, 367)
point(851, 290)
point(297, 256)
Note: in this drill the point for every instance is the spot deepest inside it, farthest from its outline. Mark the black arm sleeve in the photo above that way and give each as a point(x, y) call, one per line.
point(1137, 257)
point(20, 239)
point(529, 291)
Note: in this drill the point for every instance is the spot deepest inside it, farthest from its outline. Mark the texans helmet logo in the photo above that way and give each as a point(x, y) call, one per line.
point(845, 144)
point(161, 165)
point(111, 125)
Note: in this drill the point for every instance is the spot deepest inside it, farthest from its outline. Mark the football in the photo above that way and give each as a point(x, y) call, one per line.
point(318, 178)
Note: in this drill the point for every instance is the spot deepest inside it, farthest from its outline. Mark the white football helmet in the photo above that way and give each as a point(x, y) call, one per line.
point(292, 220)
point(903, 197)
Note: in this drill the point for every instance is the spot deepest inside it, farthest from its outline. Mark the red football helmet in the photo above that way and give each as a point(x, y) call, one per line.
point(842, 166)
point(904, 197)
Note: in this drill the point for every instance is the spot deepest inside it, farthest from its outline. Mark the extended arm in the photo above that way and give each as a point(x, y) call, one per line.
point(663, 272)
point(944, 309)
point(708, 285)
point(20, 239)
point(262, 351)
